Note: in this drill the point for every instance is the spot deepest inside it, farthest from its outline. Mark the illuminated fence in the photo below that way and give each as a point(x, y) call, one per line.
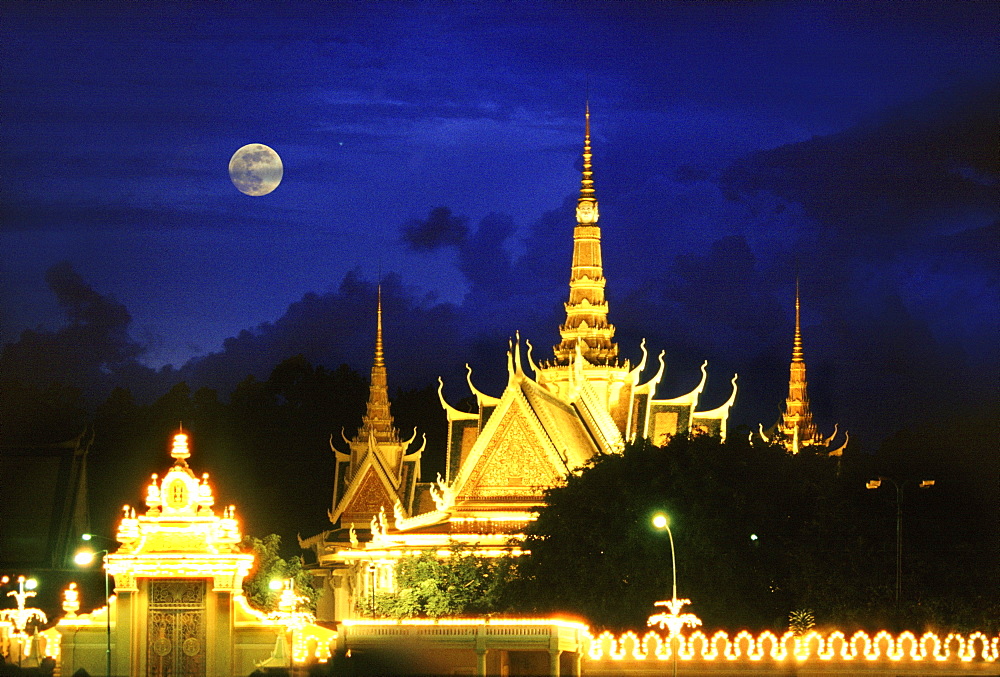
point(811, 646)
point(705, 653)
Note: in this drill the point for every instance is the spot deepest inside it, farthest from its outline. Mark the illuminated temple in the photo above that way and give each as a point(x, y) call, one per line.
point(552, 416)
point(795, 430)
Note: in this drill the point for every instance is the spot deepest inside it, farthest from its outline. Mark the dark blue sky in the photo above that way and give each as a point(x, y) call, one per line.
point(734, 144)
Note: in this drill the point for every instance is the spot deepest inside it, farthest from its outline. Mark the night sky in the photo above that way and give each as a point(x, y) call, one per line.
point(735, 146)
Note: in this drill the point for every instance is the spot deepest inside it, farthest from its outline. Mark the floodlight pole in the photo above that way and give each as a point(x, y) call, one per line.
point(107, 614)
point(673, 568)
point(673, 563)
point(107, 598)
point(662, 521)
point(874, 484)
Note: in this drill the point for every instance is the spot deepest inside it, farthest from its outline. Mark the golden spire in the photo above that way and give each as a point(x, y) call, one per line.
point(379, 352)
point(797, 341)
point(378, 418)
point(587, 183)
point(587, 310)
point(797, 420)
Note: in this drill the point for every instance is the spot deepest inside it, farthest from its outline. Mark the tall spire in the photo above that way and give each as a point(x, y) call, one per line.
point(380, 353)
point(797, 420)
point(587, 310)
point(378, 419)
point(587, 183)
point(797, 340)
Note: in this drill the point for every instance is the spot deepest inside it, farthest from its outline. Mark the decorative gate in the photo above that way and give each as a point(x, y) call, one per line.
point(175, 645)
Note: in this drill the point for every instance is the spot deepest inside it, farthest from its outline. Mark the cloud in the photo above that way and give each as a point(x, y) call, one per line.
point(86, 353)
point(338, 327)
point(440, 229)
point(908, 173)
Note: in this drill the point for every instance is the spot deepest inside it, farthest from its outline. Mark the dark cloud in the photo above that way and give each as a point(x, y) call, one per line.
point(910, 171)
point(440, 229)
point(421, 337)
point(89, 352)
point(82, 304)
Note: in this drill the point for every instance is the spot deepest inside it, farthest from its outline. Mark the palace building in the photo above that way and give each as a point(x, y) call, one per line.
point(795, 430)
point(551, 418)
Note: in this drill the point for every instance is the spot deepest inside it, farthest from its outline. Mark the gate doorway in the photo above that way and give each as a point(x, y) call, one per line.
point(175, 645)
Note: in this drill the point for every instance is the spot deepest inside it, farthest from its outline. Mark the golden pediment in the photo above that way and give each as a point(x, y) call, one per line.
point(370, 497)
point(515, 462)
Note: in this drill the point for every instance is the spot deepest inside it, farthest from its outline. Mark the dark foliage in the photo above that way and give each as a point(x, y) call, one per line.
point(758, 534)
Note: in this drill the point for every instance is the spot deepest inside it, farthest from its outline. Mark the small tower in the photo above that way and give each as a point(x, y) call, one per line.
point(797, 419)
point(376, 474)
point(796, 429)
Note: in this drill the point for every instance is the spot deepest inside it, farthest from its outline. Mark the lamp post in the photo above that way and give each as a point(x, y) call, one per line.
point(875, 484)
point(83, 558)
point(661, 521)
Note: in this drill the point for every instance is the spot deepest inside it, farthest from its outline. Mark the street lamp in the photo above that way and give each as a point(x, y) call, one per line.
point(83, 558)
point(875, 484)
point(661, 521)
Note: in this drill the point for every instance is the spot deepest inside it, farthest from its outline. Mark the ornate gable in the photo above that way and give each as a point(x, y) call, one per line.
point(367, 500)
point(516, 458)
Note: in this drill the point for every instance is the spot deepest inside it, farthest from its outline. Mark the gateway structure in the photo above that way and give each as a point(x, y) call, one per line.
point(551, 418)
point(178, 606)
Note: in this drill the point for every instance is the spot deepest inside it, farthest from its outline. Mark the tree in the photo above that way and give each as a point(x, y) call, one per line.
point(750, 525)
point(462, 584)
point(269, 566)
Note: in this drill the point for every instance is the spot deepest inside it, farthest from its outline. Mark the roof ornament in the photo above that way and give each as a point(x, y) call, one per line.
point(642, 363)
point(653, 382)
point(481, 397)
point(378, 525)
point(442, 495)
point(180, 450)
point(531, 360)
point(517, 354)
point(451, 412)
point(839, 451)
point(510, 361)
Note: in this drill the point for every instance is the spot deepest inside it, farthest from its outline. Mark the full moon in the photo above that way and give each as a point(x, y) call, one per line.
point(255, 169)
